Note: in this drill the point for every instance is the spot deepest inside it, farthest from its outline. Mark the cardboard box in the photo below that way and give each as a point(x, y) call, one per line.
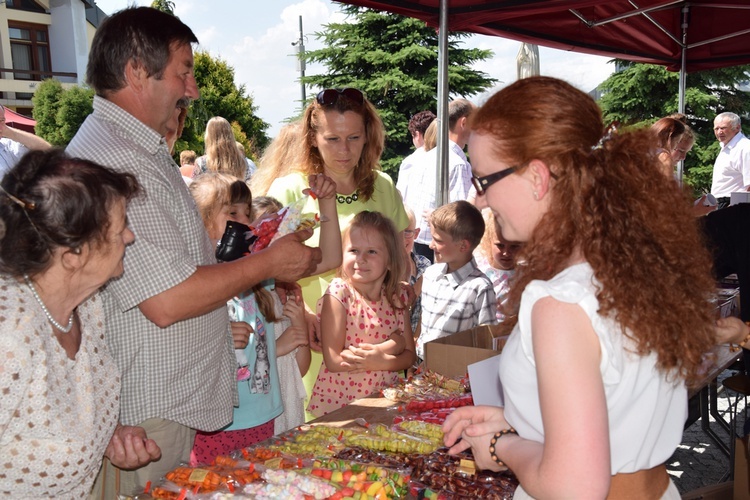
point(739, 197)
point(451, 355)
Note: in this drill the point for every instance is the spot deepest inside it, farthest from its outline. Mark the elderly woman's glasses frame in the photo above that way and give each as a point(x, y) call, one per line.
point(482, 183)
point(329, 97)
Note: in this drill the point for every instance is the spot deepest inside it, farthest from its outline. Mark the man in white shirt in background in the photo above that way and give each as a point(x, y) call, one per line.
point(422, 183)
point(417, 126)
point(732, 166)
point(15, 143)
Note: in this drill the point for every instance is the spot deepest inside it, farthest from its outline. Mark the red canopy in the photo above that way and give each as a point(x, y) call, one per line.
point(19, 121)
point(716, 34)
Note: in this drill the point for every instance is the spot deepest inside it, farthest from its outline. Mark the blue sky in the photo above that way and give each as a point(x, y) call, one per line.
point(255, 37)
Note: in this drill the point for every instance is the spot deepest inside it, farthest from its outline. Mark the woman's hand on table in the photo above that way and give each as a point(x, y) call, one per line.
point(129, 448)
point(731, 330)
point(473, 427)
point(241, 332)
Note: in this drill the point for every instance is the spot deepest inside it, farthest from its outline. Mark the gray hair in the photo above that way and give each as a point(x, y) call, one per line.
point(733, 118)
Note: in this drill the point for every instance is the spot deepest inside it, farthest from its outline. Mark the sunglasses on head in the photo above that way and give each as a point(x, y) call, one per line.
point(329, 97)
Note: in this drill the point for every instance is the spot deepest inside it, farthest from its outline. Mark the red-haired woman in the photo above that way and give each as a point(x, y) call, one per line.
point(611, 306)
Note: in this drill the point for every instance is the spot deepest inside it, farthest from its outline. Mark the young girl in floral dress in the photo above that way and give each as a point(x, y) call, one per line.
point(366, 333)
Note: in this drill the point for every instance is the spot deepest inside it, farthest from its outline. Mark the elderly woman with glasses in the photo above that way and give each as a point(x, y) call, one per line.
point(343, 137)
point(63, 233)
point(610, 314)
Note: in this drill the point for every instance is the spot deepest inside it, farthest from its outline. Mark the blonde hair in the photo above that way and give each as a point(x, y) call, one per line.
point(430, 136)
point(222, 154)
point(489, 238)
point(187, 157)
point(461, 220)
point(263, 205)
point(278, 158)
point(212, 192)
point(383, 226)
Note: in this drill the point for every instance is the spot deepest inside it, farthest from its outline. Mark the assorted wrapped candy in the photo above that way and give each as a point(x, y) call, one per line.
point(361, 461)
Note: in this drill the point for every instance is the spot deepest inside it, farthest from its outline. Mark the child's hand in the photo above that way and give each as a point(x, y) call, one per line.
point(313, 330)
point(293, 337)
point(288, 291)
point(323, 186)
point(397, 344)
point(295, 311)
point(355, 358)
point(241, 332)
point(411, 295)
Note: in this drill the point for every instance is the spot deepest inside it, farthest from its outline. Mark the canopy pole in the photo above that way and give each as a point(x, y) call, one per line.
point(441, 187)
point(683, 60)
point(683, 79)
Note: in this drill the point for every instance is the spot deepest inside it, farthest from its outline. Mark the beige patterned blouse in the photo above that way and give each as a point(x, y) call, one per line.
point(56, 414)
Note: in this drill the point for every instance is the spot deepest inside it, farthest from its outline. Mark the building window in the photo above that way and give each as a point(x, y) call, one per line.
point(29, 48)
point(27, 5)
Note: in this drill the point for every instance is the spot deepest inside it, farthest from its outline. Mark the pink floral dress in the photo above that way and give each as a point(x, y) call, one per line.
point(367, 322)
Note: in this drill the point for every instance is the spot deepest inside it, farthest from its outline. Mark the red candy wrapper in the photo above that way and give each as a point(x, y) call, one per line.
point(286, 221)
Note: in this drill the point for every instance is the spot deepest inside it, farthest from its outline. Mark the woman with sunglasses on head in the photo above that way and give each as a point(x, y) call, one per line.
point(63, 233)
point(610, 314)
point(343, 137)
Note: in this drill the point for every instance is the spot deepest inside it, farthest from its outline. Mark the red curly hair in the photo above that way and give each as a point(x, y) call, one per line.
point(631, 223)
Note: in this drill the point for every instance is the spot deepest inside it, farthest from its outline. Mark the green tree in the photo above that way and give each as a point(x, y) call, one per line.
point(394, 60)
point(164, 6)
point(75, 105)
point(221, 97)
point(46, 102)
point(640, 94)
point(60, 112)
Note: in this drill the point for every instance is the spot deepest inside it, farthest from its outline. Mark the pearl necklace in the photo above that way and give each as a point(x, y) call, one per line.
point(64, 329)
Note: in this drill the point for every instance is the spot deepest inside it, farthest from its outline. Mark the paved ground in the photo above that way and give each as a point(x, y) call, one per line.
point(698, 462)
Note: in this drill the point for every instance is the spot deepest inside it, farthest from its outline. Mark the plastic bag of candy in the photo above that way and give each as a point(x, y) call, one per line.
point(286, 221)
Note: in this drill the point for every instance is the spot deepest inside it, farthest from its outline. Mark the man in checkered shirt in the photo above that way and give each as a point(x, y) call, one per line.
point(167, 323)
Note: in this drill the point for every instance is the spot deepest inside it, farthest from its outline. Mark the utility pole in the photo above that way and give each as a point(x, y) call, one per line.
point(299, 50)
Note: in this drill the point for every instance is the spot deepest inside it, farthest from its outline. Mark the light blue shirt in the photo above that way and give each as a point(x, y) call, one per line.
point(260, 395)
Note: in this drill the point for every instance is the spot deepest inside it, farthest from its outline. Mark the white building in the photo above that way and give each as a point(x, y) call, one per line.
point(42, 39)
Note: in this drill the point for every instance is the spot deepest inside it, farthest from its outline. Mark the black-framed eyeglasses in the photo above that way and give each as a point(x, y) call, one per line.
point(482, 183)
point(329, 97)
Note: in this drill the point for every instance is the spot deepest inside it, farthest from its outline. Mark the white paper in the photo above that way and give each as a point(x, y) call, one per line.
point(484, 377)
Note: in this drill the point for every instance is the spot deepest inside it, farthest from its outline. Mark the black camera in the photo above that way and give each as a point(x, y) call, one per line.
point(236, 241)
